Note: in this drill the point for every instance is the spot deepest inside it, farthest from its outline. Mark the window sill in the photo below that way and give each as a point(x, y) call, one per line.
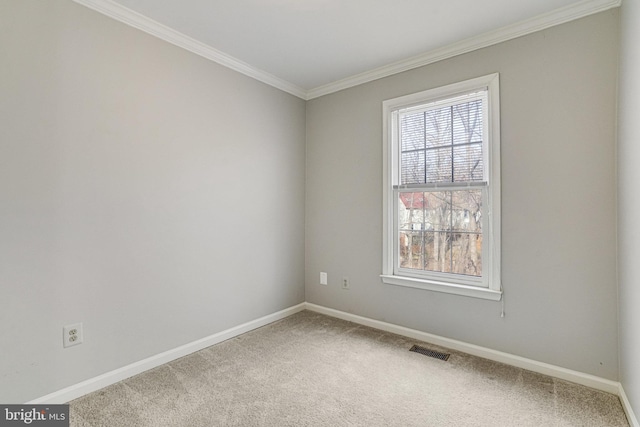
point(448, 288)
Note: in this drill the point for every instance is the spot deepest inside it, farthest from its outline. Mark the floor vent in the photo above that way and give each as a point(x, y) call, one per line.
point(430, 353)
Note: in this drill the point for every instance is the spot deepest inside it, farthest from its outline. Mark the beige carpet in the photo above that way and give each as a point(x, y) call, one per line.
point(314, 370)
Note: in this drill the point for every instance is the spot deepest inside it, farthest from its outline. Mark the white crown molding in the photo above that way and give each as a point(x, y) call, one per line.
point(538, 23)
point(141, 22)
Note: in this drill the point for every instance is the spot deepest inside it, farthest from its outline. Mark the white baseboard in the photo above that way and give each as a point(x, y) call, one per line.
point(498, 356)
point(631, 417)
point(78, 390)
point(588, 380)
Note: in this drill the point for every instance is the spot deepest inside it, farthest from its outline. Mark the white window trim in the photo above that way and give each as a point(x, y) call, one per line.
point(492, 288)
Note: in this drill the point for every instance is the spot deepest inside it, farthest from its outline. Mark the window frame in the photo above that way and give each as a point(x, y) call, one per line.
point(489, 286)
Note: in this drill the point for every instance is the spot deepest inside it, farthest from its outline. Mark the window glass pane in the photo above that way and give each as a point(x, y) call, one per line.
point(437, 251)
point(467, 254)
point(438, 165)
point(437, 210)
point(466, 211)
point(412, 167)
point(412, 130)
point(438, 127)
point(467, 122)
point(404, 249)
point(411, 211)
point(411, 249)
point(467, 162)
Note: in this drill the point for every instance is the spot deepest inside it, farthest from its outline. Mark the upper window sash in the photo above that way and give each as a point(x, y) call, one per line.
point(448, 140)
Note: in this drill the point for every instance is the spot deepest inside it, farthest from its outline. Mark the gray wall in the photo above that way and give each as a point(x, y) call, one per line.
point(558, 105)
point(145, 191)
point(629, 201)
point(160, 198)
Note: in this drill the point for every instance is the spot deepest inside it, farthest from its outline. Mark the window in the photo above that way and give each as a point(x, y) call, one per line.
point(442, 189)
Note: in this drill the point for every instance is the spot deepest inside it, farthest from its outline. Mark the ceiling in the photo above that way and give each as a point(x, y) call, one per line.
point(314, 45)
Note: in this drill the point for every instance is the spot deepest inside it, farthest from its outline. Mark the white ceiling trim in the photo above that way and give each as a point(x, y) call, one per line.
point(141, 22)
point(540, 22)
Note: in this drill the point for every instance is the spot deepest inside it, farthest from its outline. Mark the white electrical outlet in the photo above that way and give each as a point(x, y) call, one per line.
point(323, 278)
point(345, 282)
point(72, 335)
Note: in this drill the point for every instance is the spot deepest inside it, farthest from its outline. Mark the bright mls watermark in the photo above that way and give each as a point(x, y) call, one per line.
point(34, 415)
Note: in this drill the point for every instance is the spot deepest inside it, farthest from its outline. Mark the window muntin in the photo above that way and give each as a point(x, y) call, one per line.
point(442, 186)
